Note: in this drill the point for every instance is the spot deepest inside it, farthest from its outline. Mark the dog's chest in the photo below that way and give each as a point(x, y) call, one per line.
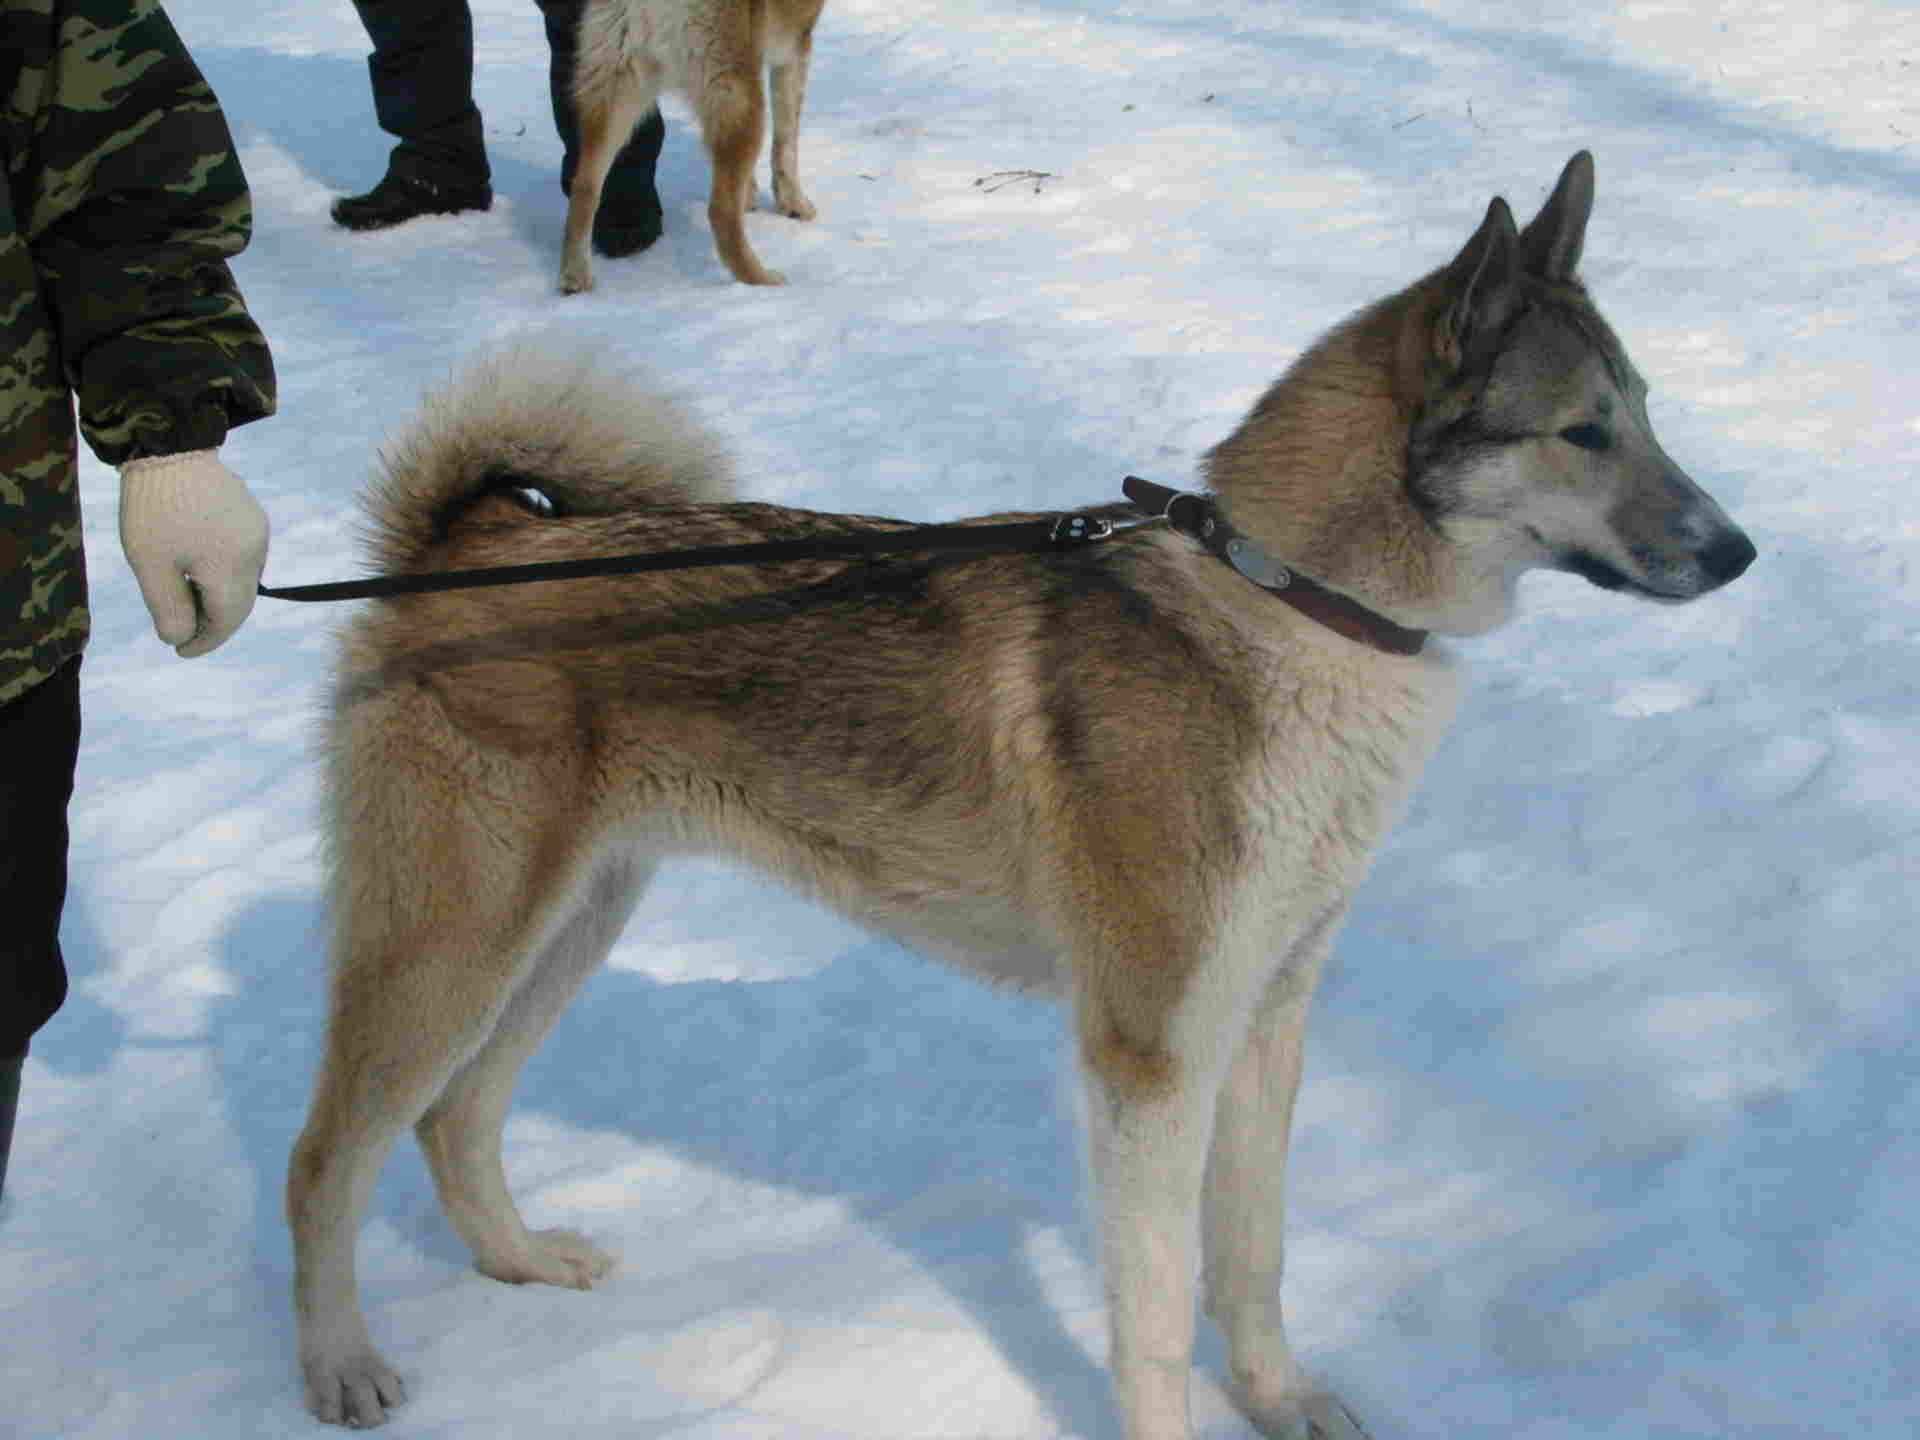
point(1345, 744)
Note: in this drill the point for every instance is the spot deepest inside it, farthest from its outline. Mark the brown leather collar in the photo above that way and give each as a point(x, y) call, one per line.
point(1199, 517)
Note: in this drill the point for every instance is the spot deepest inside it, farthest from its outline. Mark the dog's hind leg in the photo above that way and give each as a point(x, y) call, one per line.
point(732, 105)
point(461, 1131)
point(608, 106)
point(1244, 1212)
point(789, 98)
point(407, 1014)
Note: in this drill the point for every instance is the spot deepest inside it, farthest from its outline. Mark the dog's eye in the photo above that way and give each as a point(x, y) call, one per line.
point(1587, 437)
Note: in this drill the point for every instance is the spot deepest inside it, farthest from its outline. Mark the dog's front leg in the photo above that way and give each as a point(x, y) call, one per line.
point(1244, 1212)
point(1148, 1149)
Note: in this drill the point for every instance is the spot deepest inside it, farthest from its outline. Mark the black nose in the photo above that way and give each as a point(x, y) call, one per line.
point(1728, 557)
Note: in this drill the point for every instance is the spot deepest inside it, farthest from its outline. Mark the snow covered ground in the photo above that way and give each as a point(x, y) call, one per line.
point(1612, 1122)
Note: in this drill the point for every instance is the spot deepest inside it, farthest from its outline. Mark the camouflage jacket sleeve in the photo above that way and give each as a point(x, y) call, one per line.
point(120, 203)
point(131, 200)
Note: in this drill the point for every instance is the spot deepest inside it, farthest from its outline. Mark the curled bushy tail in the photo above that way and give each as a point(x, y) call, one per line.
point(552, 413)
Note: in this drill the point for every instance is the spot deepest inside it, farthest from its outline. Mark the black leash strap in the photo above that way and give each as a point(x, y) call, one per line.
point(1058, 532)
point(1191, 514)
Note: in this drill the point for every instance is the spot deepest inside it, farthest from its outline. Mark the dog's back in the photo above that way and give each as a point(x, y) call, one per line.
point(899, 737)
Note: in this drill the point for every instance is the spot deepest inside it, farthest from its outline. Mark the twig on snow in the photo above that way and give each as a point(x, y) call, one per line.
point(1000, 179)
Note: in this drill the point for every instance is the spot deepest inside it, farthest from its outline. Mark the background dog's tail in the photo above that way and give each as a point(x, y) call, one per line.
point(543, 412)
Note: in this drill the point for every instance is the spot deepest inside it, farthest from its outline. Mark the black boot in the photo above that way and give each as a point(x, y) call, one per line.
point(9, 1105)
point(400, 198)
point(421, 69)
point(626, 223)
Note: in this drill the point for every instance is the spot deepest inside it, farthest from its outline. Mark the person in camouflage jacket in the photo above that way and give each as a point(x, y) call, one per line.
point(121, 203)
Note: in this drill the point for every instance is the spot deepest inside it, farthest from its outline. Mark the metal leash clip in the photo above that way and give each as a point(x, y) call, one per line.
point(1079, 528)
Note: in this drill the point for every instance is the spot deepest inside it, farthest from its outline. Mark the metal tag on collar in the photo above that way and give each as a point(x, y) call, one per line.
point(1252, 560)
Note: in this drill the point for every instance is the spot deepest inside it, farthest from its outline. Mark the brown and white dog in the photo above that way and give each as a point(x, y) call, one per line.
point(1125, 772)
point(714, 53)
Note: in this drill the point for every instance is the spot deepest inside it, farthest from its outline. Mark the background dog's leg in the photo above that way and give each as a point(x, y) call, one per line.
point(608, 111)
point(732, 108)
point(1148, 1153)
point(1244, 1212)
point(461, 1131)
point(789, 98)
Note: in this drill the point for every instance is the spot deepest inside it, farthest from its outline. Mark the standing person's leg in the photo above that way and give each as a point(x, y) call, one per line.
point(39, 743)
point(422, 73)
point(629, 217)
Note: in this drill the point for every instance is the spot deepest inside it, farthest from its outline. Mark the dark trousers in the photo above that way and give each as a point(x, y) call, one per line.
point(39, 743)
point(422, 72)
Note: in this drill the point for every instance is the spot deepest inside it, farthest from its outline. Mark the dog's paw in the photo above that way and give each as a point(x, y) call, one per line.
point(553, 1257)
point(1315, 1415)
point(791, 202)
point(357, 1391)
point(576, 278)
point(577, 1258)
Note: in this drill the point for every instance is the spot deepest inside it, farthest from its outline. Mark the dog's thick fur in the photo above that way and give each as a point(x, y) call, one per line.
point(714, 53)
point(1121, 771)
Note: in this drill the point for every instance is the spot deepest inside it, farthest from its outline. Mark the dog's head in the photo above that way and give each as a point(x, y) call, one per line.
point(1530, 445)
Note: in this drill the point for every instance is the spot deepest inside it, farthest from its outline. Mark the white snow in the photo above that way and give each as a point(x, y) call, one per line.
point(1611, 1127)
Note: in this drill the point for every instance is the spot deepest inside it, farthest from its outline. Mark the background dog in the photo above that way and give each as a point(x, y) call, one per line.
point(1123, 772)
point(713, 53)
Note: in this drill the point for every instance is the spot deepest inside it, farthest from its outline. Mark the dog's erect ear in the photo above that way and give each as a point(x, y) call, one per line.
point(1483, 288)
point(1550, 245)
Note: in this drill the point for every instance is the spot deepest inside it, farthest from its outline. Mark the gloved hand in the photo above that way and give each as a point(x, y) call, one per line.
point(197, 541)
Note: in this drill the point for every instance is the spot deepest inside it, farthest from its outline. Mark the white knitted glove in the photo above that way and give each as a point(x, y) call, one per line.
point(197, 541)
